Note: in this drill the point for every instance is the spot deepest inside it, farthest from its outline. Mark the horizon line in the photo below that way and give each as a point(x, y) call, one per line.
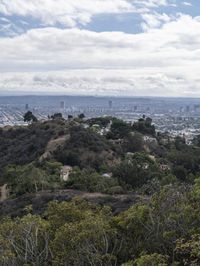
point(94, 96)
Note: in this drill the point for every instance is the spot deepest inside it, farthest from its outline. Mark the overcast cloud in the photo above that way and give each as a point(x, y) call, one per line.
point(51, 46)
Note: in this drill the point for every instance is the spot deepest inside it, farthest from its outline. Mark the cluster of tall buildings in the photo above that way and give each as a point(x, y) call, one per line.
point(187, 109)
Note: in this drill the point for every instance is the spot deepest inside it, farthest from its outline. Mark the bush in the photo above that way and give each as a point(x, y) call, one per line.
point(136, 170)
point(152, 260)
point(91, 181)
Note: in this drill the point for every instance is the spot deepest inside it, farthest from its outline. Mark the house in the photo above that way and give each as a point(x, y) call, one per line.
point(107, 175)
point(145, 166)
point(130, 153)
point(149, 139)
point(152, 157)
point(4, 192)
point(85, 126)
point(164, 167)
point(165, 141)
point(117, 141)
point(65, 172)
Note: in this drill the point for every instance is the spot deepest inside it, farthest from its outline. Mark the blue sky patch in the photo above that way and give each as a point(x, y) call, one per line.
point(128, 22)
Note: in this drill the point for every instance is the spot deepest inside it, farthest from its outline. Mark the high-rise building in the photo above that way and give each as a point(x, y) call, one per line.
point(26, 107)
point(196, 107)
point(110, 104)
point(62, 105)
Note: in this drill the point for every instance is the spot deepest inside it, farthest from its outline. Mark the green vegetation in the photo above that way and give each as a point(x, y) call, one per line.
point(136, 170)
point(119, 129)
point(106, 161)
point(90, 180)
point(56, 116)
point(164, 231)
point(24, 145)
point(85, 149)
point(29, 178)
point(29, 117)
point(144, 126)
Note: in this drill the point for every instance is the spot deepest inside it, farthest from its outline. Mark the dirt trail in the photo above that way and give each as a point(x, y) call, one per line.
point(40, 200)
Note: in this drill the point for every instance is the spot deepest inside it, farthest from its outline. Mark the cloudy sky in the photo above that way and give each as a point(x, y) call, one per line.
point(100, 47)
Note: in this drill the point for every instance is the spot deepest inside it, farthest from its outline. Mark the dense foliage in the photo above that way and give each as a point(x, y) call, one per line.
point(23, 145)
point(103, 157)
point(85, 148)
point(164, 231)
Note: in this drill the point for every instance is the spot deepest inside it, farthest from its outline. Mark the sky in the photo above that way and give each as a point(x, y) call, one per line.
point(100, 47)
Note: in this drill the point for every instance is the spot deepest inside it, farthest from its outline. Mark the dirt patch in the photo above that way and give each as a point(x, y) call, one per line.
point(52, 146)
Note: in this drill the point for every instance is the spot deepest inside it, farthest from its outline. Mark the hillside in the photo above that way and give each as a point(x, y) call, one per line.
point(98, 192)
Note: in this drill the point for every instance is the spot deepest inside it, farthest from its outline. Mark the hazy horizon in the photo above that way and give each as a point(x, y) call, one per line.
point(16, 94)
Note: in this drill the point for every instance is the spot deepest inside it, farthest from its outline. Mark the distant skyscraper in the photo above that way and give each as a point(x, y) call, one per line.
point(187, 109)
point(196, 107)
point(135, 108)
point(110, 103)
point(26, 106)
point(62, 105)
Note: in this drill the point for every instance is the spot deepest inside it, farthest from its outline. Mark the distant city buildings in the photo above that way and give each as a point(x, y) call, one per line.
point(62, 105)
point(176, 116)
point(110, 104)
point(188, 109)
point(196, 107)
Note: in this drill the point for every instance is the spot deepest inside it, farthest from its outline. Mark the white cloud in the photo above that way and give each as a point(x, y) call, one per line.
point(153, 3)
point(187, 4)
point(104, 82)
point(66, 12)
point(70, 13)
point(52, 48)
point(161, 61)
point(155, 20)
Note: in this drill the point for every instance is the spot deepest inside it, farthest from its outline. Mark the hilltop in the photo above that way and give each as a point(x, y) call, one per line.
point(102, 154)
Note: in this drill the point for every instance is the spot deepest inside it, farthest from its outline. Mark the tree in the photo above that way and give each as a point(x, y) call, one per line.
point(196, 140)
point(81, 116)
point(25, 179)
point(180, 172)
point(101, 121)
point(155, 226)
point(70, 117)
point(89, 180)
point(29, 117)
point(136, 170)
point(144, 126)
point(179, 143)
point(25, 241)
point(134, 143)
point(57, 116)
point(119, 129)
point(90, 241)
